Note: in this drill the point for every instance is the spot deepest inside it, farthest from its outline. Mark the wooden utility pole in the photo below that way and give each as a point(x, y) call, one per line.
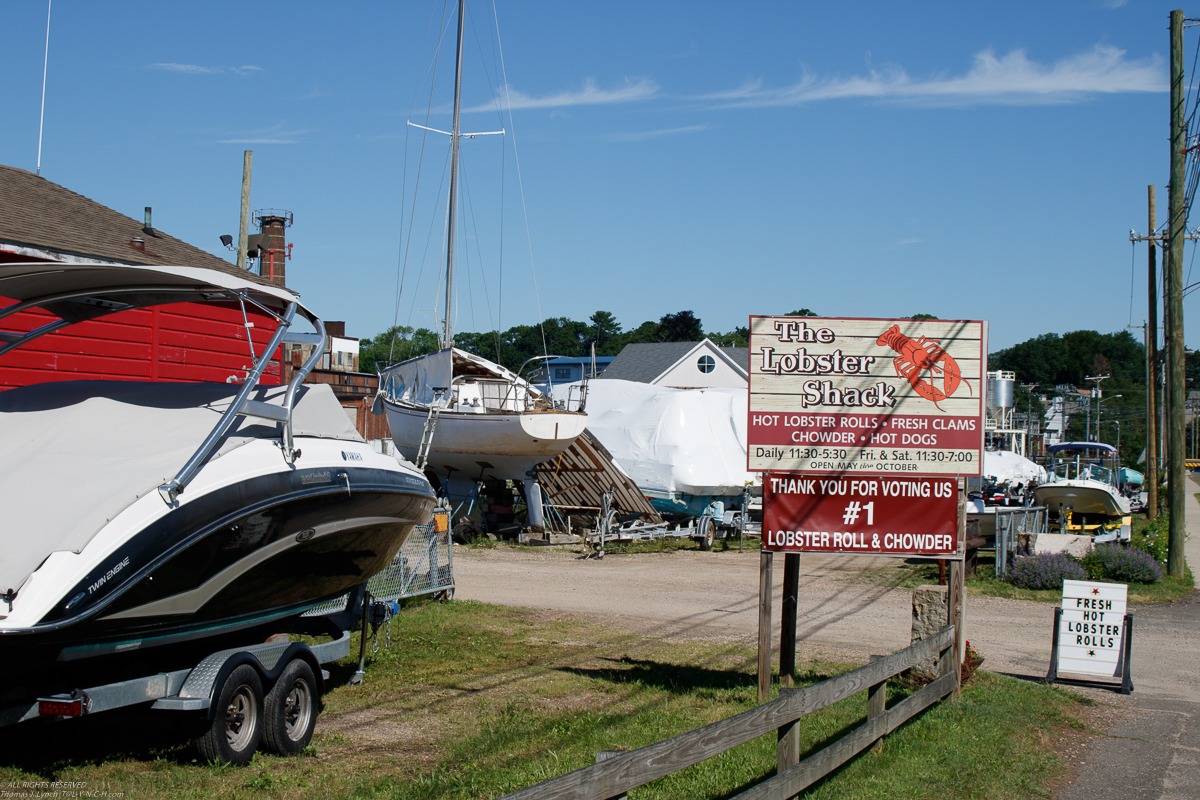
point(244, 230)
point(1177, 475)
point(1151, 341)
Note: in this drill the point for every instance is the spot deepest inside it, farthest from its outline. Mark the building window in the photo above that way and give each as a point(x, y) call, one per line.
point(706, 364)
point(562, 373)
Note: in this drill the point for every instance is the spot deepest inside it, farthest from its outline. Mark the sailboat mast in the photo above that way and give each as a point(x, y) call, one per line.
point(448, 329)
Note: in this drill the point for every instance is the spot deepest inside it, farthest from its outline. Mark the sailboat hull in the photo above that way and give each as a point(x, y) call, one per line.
point(506, 444)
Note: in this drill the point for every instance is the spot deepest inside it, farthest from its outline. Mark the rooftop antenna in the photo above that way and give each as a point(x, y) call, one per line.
point(45, 62)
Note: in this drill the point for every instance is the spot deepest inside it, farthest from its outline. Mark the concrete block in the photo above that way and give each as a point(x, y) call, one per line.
point(930, 611)
point(1078, 546)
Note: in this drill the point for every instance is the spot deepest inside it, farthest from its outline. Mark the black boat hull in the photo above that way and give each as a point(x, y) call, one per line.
point(248, 556)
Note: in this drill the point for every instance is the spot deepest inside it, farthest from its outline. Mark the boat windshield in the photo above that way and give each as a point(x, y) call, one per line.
point(1081, 465)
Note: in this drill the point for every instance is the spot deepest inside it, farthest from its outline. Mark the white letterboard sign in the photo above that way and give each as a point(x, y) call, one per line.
point(1091, 633)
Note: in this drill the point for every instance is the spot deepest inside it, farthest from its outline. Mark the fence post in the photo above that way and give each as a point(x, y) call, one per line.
point(956, 615)
point(877, 703)
point(787, 749)
point(955, 618)
point(605, 755)
point(764, 626)
point(946, 662)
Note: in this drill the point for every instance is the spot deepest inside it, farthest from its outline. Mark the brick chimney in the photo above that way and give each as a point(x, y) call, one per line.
point(273, 223)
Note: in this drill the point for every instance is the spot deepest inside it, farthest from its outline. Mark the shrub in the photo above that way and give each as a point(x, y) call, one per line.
point(1112, 562)
point(1046, 571)
point(1153, 539)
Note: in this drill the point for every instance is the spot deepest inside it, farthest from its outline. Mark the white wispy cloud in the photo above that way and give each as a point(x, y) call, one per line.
point(903, 242)
point(1010, 79)
point(590, 95)
point(256, 141)
point(637, 136)
point(196, 69)
point(273, 135)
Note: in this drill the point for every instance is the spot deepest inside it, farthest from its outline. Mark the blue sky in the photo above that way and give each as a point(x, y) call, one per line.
point(859, 159)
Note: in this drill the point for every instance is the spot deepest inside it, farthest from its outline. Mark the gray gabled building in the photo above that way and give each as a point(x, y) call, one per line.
point(682, 365)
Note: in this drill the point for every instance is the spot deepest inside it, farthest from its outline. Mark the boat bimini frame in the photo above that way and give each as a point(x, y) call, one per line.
point(88, 293)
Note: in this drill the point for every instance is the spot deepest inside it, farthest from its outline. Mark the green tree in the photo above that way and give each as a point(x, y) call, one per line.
point(605, 332)
point(922, 316)
point(682, 326)
point(395, 344)
point(804, 312)
point(738, 337)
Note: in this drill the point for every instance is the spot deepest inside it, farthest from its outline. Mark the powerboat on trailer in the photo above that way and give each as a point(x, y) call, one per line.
point(141, 515)
point(1082, 480)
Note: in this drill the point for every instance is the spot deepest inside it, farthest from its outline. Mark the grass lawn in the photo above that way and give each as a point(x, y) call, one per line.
point(473, 701)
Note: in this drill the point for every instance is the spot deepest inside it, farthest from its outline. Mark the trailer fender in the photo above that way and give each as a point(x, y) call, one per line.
point(207, 677)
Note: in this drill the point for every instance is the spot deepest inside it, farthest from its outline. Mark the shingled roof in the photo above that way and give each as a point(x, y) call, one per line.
point(645, 362)
point(36, 213)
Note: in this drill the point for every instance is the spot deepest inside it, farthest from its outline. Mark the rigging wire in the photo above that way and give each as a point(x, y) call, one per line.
point(503, 164)
point(516, 158)
point(402, 257)
point(520, 181)
point(478, 253)
point(412, 309)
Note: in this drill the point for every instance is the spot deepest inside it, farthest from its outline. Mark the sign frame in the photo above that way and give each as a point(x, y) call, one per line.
point(1111, 610)
point(854, 500)
point(837, 439)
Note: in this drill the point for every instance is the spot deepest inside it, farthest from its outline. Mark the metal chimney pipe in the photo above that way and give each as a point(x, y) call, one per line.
point(147, 227)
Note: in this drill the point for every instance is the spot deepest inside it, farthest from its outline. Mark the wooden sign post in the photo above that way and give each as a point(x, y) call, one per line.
point(865, 429)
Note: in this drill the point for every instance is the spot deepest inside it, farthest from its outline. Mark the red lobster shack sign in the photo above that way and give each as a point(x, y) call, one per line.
point(882, 397)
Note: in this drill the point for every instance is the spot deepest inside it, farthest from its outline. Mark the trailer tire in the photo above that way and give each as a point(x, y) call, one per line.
point(236, 727)
point(706, 535)
point(290, 711)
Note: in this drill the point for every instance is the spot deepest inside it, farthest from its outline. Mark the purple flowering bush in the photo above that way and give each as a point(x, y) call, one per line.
point(1112, 562)
point(1045, 571)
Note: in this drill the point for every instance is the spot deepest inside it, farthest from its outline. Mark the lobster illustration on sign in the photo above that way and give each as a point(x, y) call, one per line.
point(919, 362)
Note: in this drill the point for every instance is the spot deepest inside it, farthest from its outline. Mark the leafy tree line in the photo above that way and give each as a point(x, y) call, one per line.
point(564, 337)
point(1051, 360)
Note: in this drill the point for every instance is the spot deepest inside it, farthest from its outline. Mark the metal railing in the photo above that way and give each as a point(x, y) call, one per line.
point(1011, 525)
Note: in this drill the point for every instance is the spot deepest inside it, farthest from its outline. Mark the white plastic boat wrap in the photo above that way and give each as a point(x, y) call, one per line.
point(1011, 468)
point(677, 440)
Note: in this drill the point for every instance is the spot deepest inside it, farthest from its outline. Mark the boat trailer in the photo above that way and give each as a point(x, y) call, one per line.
point(714, 523)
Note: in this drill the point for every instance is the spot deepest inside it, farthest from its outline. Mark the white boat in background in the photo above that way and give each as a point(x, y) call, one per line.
point(1007, 477)
point(488, 423)
point(1082, 481)
point(463, 417)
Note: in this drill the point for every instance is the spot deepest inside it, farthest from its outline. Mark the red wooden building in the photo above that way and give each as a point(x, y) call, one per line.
point(42, 221)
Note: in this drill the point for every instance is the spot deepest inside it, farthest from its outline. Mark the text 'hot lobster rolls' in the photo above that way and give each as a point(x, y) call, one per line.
point(877, 396)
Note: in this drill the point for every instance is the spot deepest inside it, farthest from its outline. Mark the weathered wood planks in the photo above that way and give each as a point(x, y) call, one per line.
point(638, 767)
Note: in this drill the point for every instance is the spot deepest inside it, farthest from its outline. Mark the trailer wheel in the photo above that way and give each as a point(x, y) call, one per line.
point(290, 712)
point(236, 727)
point(706, 526)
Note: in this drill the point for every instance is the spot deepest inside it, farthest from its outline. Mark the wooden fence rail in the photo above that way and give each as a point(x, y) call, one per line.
point(617, 775)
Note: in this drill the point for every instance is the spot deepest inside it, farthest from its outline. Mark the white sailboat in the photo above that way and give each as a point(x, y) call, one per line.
point(465, 418)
